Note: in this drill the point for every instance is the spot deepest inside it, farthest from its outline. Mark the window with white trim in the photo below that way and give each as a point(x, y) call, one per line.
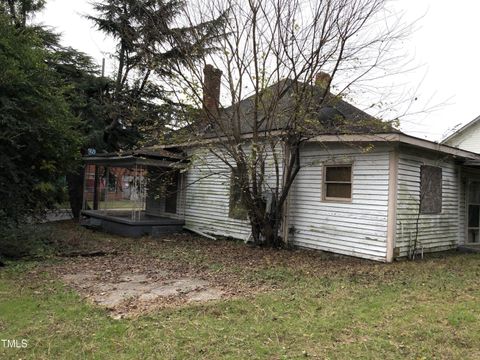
point(337, 182)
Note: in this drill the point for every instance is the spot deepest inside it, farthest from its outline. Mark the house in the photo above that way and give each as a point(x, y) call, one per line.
point(370, 192)
point(401, 190)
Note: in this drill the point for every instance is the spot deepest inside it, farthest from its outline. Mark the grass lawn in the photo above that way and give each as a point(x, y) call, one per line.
point(302, 305)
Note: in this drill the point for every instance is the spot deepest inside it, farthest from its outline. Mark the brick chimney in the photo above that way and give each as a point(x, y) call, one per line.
point(323, 80)
point(211, 90)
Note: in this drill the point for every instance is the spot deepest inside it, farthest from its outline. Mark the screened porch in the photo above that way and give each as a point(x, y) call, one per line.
point(122, 192)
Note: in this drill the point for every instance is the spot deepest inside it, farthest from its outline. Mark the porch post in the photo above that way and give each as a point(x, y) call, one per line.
point(85, 190)
point(392, 204)
point(107, 180)
point(95, 188)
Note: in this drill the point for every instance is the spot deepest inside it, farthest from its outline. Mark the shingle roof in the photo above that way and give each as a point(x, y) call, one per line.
point(331, 115)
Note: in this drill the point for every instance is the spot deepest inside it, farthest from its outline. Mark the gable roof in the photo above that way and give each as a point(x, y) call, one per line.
point(461, 130)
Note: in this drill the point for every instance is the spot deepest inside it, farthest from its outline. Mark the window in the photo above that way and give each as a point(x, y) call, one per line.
point(237, 208)
point(430, 189)
point(337, 182)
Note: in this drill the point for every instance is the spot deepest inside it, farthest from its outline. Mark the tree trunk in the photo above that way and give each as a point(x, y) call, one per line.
point(75, 191)
point(256, 226)
point(269, 235)
point(265, 227)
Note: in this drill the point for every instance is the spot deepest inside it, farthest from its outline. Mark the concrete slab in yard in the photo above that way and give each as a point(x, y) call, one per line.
point(113, 292)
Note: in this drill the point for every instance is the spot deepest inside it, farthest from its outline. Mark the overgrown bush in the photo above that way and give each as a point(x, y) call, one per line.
point(27, 241)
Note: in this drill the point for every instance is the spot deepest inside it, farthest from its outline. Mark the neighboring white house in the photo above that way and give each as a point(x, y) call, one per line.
point(467, 137)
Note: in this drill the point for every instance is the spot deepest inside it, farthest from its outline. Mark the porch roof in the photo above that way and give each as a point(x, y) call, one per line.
point(155, 157)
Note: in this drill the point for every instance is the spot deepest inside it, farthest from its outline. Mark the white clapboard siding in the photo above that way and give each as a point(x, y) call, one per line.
point(207, 195)
point(357, 228)
point(436, 232)
point(468, 139)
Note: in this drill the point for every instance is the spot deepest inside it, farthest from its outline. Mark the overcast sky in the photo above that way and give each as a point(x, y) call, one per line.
point(444, 48)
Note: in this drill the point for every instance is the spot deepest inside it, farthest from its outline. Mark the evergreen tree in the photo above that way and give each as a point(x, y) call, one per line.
point(38, 140)
point(148, 45)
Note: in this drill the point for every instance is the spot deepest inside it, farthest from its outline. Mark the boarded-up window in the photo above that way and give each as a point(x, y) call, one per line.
point(430, 189)
point(237, 208)
point(338, 182)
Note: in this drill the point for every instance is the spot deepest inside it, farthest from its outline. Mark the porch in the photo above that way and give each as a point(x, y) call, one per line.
point(121, 192)
point(122, 222)
point(471, 183)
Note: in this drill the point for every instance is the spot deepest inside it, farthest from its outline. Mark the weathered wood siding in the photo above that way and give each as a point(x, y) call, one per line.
point(436, 232)
point(356, 228)
point(208, 196)
point(469, 139)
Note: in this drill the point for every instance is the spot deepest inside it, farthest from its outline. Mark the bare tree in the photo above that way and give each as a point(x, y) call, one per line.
point(283, 55)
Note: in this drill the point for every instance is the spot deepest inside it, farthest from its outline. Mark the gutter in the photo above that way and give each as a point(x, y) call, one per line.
point(386, 137)
point(399, 138)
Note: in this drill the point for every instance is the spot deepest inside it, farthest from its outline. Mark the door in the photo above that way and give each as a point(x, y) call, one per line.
point(473, 212)
point(171, 194)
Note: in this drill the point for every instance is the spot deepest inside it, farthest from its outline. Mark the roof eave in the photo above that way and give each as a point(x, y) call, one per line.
point(374, 137)
point(129, 161)
point(400, 138)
